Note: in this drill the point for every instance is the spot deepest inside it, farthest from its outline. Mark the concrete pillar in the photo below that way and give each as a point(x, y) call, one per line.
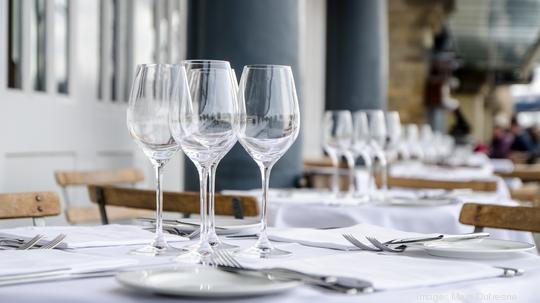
point(247, 32)
point(357, 54)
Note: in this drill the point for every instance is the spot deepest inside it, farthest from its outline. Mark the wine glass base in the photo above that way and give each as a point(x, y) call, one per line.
point(265, 253)
point(162, 251)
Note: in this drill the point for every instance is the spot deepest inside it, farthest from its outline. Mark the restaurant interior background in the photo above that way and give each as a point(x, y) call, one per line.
point(66, 67)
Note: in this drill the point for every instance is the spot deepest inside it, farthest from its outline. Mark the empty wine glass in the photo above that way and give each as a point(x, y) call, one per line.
point(154, 88)
point(360, 146)
point(413, 143)
point(393, 125)
point(377, 134)
point(269, 126)
point(206, 128)
point(337, 140)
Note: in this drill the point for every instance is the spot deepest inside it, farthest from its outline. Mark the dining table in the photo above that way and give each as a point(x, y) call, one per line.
point(106, 289)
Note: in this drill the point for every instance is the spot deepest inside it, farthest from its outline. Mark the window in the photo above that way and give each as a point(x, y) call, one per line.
point(14, 44)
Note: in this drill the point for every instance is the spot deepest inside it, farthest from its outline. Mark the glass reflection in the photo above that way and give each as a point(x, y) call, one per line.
point(14, 44)
point(38, 29)
point(61, 45)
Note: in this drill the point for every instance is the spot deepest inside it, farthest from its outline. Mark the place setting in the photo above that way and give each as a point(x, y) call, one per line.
point(264, 151)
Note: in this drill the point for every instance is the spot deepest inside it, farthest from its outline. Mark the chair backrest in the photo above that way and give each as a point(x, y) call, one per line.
point(29, 205)
point(182, 202)
point(476, 185)
point(498, 216)
point(99, 177)
point(74, 178)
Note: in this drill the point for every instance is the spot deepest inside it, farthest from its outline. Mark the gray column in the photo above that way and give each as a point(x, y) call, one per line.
point(356, 54)
point(246, 32)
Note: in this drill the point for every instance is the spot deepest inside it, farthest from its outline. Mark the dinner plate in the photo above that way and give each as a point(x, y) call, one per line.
point(224, 226)
point(398, 201)
point(476, 248)
point(200, 281)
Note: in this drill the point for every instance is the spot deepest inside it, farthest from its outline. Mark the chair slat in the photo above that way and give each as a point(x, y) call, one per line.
point(29, 205)
point(476, 185)
point(119, 176)
point(498, 216)
point(183, 202)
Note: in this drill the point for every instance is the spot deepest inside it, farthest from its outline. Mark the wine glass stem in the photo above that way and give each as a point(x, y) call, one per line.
point(211, 201)
point(351, 165)
point(203, 177)
point(369, 168)
point(384, 172)
point(265, 178)
point(158, 240)
point(335, 177)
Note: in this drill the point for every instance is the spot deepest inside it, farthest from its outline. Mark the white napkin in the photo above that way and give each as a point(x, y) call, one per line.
point(333, 239)
point(89, 236)
point(14, 262)
point(391, 271)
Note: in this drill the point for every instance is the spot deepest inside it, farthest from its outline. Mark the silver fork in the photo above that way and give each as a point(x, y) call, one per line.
point(18, 244)
point(54, 242)
point(359, 244)
point(30, 243)
point(226, 261)
point(383, 247)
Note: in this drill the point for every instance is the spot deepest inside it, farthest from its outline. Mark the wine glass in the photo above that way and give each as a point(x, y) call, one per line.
point(337, 139)
point(377, 135)
point(360, 146)
point(206, 128)
point(413, 144)
point(154, 88)
point(393, 125)
point(270, 122)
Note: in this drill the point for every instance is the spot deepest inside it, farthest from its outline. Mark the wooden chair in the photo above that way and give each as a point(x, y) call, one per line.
point(35, 205)
point(525, 172)
point(74, 214)
point(499, 216)
point(182, 202)
point(476, 185)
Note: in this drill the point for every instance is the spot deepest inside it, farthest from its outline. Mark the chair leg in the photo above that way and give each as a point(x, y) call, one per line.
point(478, 229)
point(101, 204)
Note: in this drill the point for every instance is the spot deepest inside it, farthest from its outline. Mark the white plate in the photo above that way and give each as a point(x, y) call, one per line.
point(476, 248)
point(201, 281)
point(224, 226)
point(397, 201)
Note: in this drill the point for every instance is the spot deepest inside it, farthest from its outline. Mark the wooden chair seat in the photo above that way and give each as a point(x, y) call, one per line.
point(525, 172)
point(182, 202)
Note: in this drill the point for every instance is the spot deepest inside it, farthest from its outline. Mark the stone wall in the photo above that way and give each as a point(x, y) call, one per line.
point(412, 27)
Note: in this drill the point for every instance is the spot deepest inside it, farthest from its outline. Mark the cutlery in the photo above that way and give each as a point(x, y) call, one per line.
point(437, 237)
point(225, 261)
point(192, 235)
point(386, 248)
point(30, 243)
point(359, 244)
point(19, 244)
point(511, 272)
point(54, 242)
point(174, 221)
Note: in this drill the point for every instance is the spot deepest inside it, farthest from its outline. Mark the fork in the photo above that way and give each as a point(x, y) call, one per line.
point(225, 261)
point(383, 247)
point(21, 244)
point(54, 242)
point(359, 244)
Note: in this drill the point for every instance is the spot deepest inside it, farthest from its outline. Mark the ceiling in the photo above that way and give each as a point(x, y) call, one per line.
point(499, 35)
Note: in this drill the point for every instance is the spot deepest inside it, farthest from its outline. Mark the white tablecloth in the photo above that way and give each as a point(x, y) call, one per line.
point(295, 211)
point(107, 290)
